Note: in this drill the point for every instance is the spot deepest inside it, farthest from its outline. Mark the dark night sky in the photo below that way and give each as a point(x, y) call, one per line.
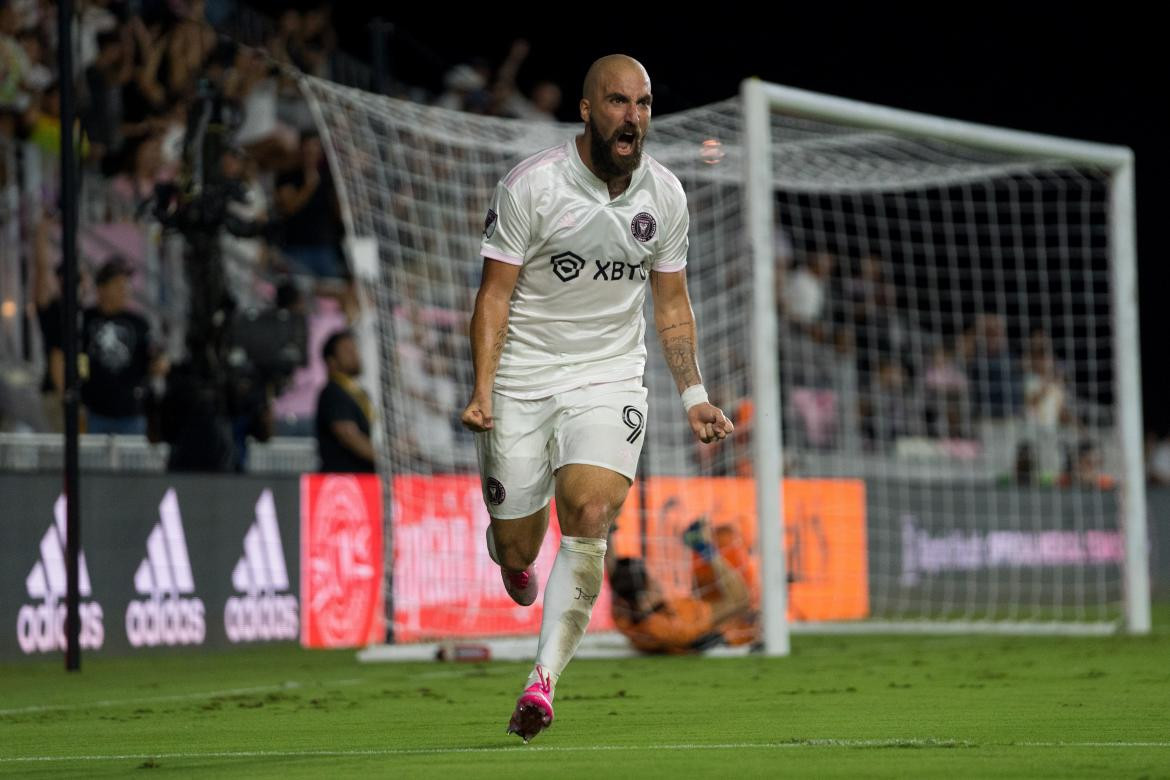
point(1100, 78)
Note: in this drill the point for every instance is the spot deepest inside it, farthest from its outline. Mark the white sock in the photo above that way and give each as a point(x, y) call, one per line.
point(572, 589)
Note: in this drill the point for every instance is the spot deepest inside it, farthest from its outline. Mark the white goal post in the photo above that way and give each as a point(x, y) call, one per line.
point(760, 99)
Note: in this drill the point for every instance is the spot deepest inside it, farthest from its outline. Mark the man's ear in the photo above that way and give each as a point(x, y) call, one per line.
point(584, 107)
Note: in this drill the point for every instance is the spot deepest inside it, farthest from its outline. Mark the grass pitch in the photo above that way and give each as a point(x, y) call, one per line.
point(838, 707)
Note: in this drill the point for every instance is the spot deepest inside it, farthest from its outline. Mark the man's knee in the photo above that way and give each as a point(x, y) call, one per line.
point(591, 516)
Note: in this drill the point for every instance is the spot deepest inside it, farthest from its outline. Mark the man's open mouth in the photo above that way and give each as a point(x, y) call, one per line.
point(625, 142)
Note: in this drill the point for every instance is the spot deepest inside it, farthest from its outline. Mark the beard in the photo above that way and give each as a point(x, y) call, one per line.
point(605, 160)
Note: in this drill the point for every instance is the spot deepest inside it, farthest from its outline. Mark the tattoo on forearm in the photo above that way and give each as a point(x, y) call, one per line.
point(498, 345)
point(683, 324)
point(679, 352)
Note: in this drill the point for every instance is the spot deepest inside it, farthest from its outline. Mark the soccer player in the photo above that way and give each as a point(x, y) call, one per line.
point(572, 236)
point(718, 612)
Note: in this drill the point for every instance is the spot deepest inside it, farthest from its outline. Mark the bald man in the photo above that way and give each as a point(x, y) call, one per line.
point(571, 239)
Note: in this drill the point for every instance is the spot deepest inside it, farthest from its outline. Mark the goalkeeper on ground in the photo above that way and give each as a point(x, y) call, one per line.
point(719, 610)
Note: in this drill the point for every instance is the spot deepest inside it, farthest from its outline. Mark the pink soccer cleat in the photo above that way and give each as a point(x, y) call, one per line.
point(534, 710)
point(521, 585)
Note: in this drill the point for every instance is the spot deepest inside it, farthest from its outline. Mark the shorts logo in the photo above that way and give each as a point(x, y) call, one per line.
point(489, 224)
point(495, 492)
point(643, 226)
point(567, 266)
point(632, 417)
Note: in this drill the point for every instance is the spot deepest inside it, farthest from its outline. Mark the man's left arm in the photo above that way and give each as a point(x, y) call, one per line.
point(674, 319)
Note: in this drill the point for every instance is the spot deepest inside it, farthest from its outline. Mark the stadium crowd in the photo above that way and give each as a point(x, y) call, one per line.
point(145, 65)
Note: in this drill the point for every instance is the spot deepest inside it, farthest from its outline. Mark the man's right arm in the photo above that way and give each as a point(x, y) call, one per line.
point(489, 329)
point(352, 438)
point(290, 198)
point(734, 598)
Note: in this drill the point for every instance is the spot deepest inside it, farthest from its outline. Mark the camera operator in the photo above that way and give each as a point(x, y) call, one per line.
point(236, 358)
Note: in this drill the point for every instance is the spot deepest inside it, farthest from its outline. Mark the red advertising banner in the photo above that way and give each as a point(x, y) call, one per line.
point(445, 584)
point(341, 560)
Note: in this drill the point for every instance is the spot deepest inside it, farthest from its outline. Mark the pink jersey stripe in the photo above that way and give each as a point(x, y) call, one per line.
point(552, 155)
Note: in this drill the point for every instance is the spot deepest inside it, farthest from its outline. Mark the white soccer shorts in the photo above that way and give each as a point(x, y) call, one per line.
point(599, 425)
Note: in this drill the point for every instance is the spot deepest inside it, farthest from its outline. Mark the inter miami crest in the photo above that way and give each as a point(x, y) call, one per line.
point(495, 492)
point(489, 223)
point(643, 226)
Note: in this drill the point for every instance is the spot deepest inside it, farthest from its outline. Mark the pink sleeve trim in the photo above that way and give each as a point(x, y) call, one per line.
point(495, 254)
point(677, 265)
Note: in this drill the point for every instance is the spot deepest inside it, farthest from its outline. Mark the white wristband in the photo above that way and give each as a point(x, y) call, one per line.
point(693, 396)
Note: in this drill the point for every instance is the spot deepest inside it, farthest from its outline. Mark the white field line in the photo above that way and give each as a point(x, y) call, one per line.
point(811, 743)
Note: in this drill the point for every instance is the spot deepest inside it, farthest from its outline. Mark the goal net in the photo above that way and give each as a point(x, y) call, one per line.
point(924, 313)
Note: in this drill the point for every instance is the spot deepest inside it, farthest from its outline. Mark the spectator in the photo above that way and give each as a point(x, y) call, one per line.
point(945, 392)
point(45, 125)
point(892, 410)
point(138, 183)
point(510, 101)
point(308, 205)
point(1025, 472)
point(116, 344)
point(15, 67)
point(191, 41)
point(253, 86)
point(1083, 468)
point(993, 372)
point(37, 75)
point(806, 294)
point(93, 19)
point(101, 115)
point(144, 95)
point(1045, 397)
point(47, 287)
point(319, 40)
point(344, 411)
point(868, 303)
point(466, 90)
point(1158, 459)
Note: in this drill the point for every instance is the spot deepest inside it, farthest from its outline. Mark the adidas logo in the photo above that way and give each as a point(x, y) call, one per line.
point(166, 617)
point(265, 612)
point(40, 628)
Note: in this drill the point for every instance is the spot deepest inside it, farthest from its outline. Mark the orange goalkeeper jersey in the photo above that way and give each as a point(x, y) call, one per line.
point(675, 627)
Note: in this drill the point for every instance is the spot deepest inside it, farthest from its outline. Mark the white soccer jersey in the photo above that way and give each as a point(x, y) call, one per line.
point(576, 315)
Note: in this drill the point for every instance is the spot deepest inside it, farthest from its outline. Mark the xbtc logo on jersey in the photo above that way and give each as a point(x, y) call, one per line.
point(568, 266)
point(266, 612)
point(40, 628)
point(168, 616)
